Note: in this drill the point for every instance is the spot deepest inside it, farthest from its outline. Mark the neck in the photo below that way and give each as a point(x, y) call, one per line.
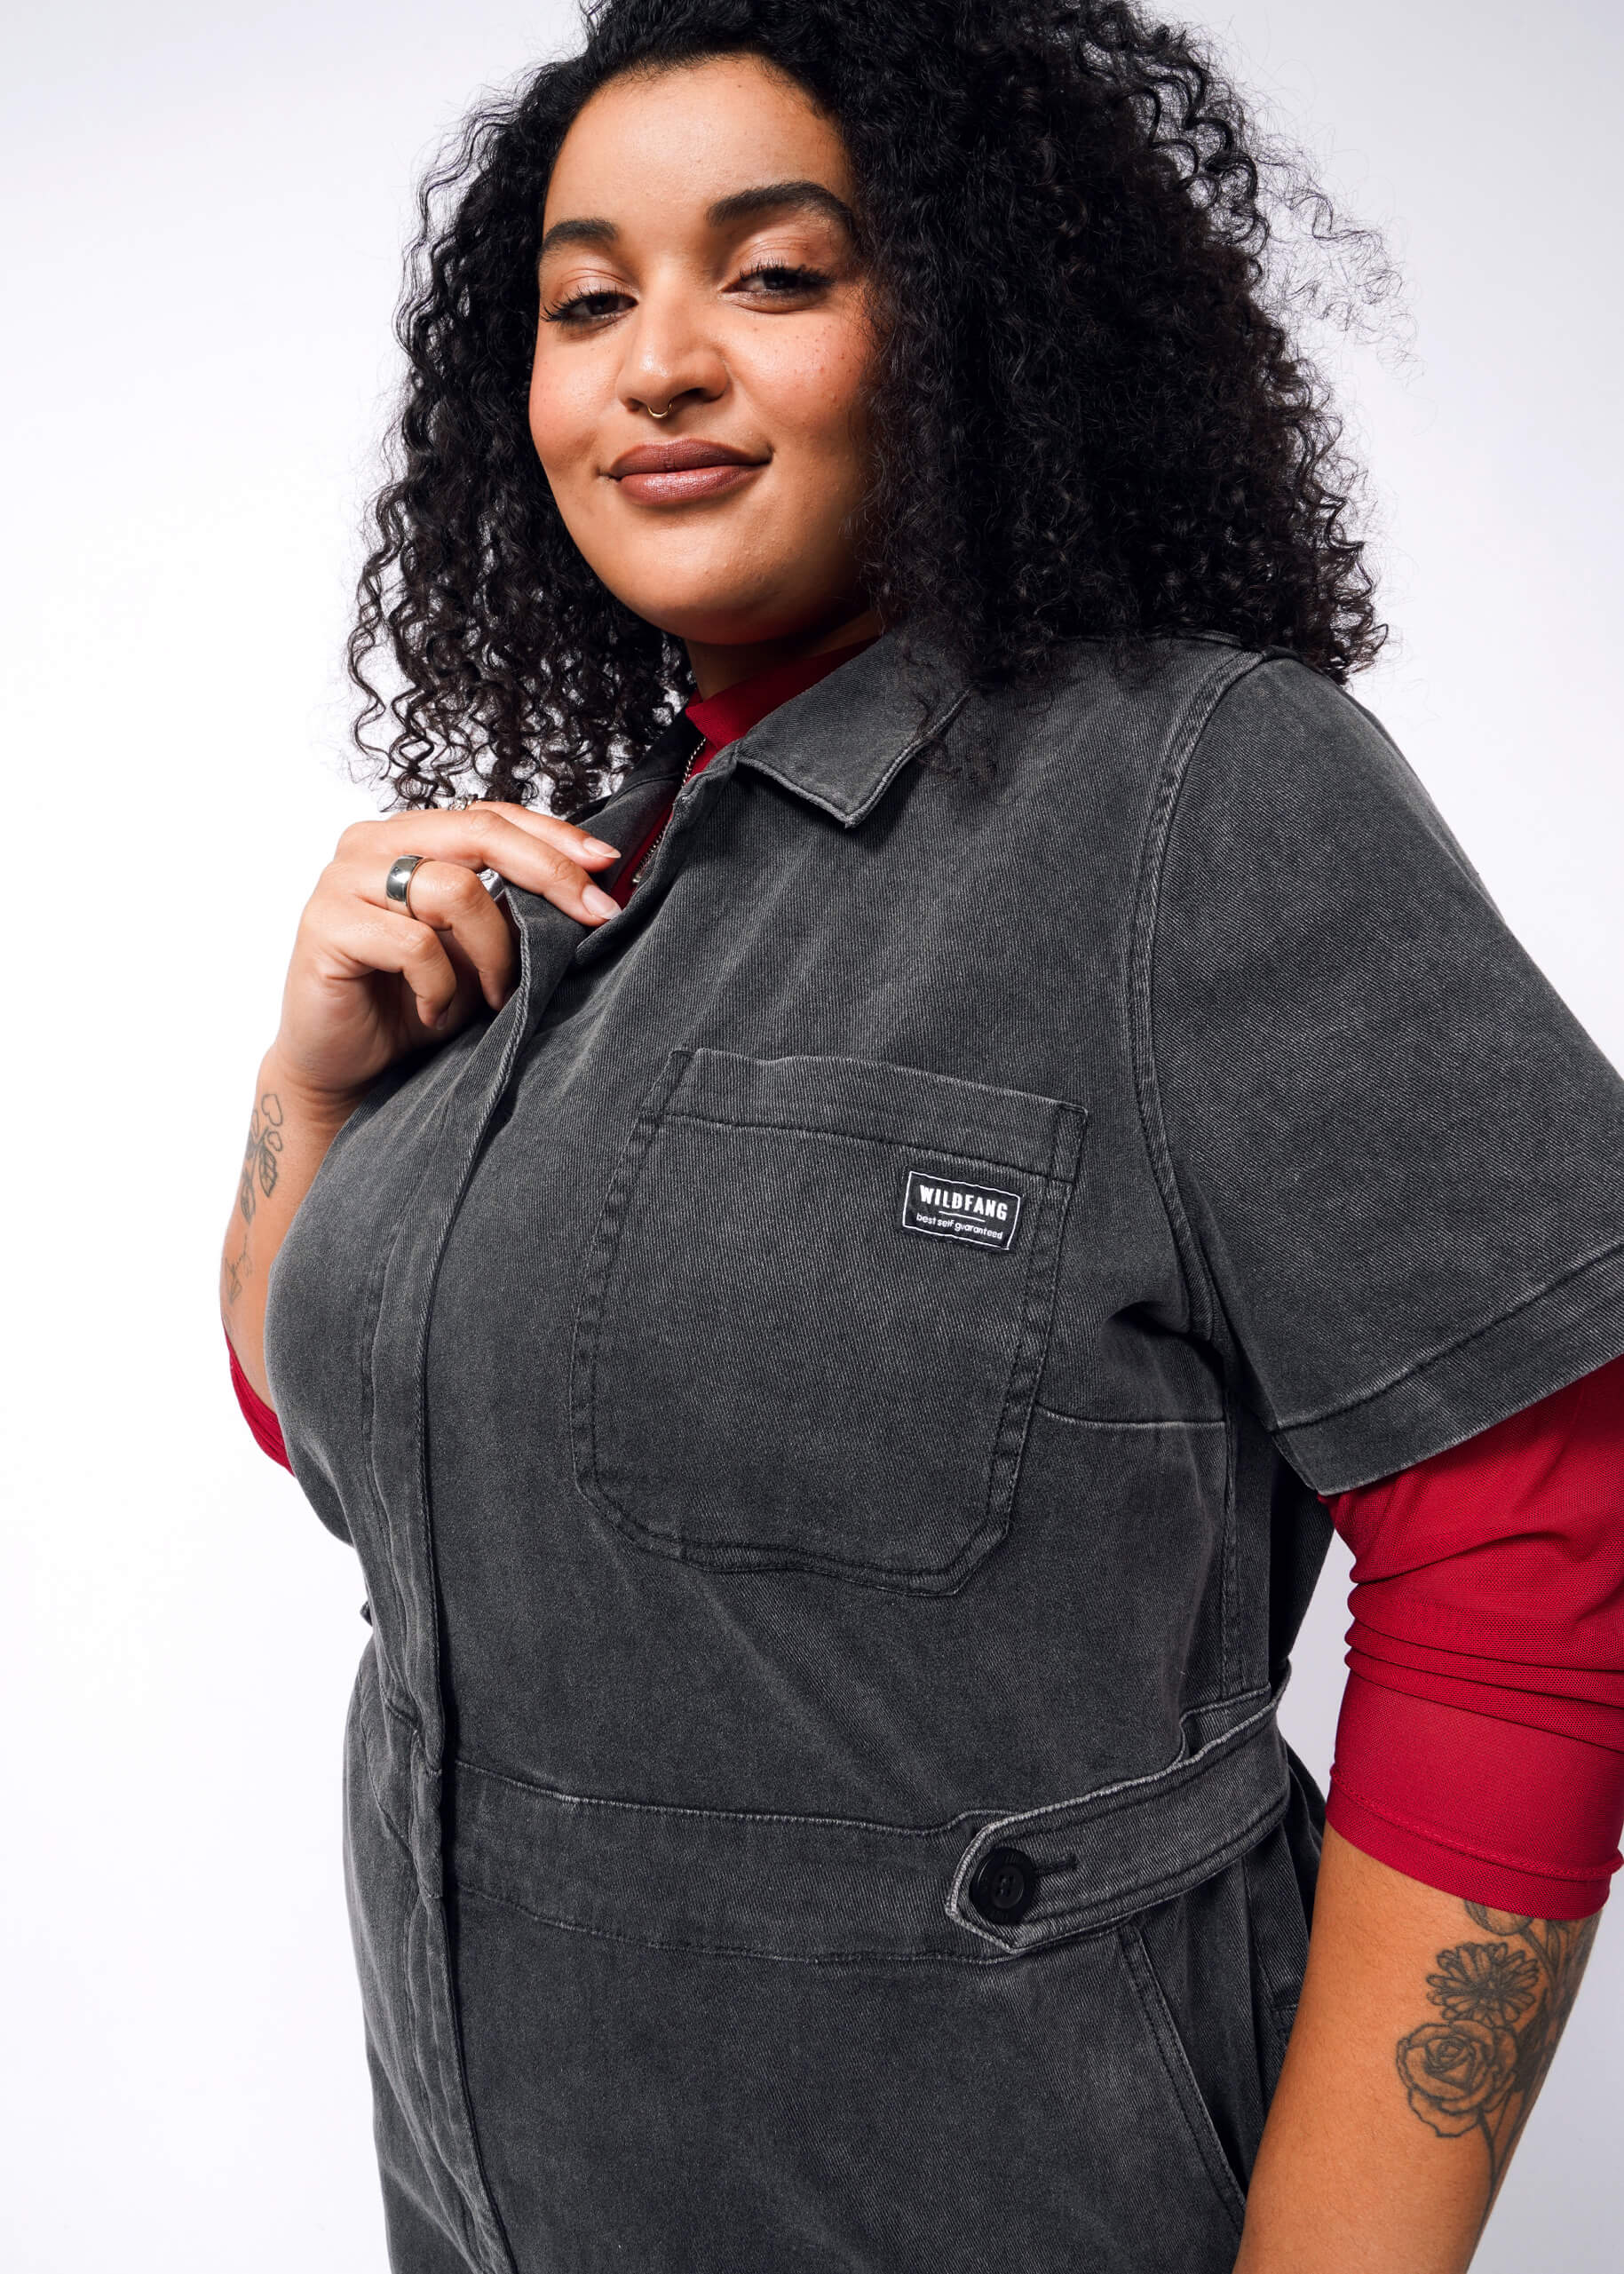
point(716, 667)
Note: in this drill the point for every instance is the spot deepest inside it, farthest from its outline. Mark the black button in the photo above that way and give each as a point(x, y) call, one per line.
point(1005, 1885)
point(366, 1612)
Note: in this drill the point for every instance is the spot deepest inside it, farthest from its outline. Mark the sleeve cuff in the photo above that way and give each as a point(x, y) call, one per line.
point(1517, 1818)
point(1566, 1328)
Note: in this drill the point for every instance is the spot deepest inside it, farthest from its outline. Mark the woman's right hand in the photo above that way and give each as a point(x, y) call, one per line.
point(368, 982)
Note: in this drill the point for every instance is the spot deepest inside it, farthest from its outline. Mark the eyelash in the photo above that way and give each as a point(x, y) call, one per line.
point(804, 278)
point(801, 280)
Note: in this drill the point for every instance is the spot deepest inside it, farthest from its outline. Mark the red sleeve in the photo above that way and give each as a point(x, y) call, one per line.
point(267, 1429)
point(1481, 1742)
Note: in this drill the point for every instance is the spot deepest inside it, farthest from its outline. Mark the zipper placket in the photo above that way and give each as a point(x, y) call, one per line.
point(647, 861)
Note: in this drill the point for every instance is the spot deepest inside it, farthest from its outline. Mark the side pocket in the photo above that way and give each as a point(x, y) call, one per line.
point(1277, 1927)
point(1175, 2062)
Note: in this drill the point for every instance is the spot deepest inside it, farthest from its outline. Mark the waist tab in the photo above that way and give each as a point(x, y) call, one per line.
point(980, 1889)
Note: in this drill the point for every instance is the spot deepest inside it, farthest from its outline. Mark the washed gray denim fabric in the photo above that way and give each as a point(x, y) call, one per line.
point(833, 1381)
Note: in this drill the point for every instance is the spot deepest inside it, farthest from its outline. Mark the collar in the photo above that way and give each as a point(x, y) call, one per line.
point(842, 742)
point(722, 718)
point(839, 743)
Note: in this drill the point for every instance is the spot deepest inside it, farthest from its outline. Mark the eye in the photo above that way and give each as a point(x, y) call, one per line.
point(782, 281)
point(586, 307)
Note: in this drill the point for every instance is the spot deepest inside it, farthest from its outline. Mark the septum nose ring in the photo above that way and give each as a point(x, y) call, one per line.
point(653, 413)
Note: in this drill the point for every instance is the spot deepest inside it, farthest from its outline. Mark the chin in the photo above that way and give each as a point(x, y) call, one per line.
point(741, 621)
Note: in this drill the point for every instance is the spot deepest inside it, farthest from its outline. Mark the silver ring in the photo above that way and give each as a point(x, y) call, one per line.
point(398, 884)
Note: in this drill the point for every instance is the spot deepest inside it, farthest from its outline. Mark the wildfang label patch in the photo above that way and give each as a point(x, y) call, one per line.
point(978, 1214)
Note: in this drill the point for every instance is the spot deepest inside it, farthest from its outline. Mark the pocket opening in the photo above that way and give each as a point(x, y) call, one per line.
point(1174, 2063)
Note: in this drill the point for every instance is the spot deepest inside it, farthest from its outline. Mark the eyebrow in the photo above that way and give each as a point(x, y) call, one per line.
point(585, 232)
point(741, 205)
point(775, 197)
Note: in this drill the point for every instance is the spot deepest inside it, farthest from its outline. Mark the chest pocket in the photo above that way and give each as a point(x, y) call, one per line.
point(814, 1313)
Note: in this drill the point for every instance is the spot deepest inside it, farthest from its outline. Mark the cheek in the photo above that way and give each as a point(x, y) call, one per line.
point(563, 417)
point(812, 390)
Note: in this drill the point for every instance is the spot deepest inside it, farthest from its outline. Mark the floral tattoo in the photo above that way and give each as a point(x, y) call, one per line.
point(1504, 2005)
point(261, 1167)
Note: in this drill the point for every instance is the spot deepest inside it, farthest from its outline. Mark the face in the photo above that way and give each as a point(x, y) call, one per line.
point(698, 261)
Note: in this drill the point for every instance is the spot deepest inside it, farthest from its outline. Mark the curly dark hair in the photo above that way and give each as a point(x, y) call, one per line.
point(1089, 413)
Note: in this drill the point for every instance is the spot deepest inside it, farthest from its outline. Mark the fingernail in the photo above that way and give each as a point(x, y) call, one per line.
point(439, 1018)
point(597, 845)
point(600, 904)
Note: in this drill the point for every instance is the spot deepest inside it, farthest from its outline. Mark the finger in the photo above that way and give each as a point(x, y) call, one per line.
point(480, 837)
point(376, 939)
point(452, 902)
point(453, 827)
point(569, 837)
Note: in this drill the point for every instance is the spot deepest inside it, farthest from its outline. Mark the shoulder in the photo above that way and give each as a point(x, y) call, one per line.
point(1213, 757)
point(1289, 775)
point(1091, 740)
point(1242, 708)
point(1167, 680)
point(1277, 712)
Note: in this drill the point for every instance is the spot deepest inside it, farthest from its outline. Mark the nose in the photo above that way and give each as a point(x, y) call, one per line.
point(670, 358)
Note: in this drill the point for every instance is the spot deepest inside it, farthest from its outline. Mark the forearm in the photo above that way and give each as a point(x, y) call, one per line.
point(1424, 2033)
point(289, 1134)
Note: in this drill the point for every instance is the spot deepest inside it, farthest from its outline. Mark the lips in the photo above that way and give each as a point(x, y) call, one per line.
point(676, 473)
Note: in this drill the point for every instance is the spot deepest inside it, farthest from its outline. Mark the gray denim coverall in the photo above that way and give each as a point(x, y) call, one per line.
point(829, 1389)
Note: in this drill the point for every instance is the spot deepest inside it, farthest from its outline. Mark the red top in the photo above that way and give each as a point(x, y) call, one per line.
point(1480, 1748)
point(1481, 1742)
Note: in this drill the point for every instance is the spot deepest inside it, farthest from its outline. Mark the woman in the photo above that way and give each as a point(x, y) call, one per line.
point(833, 1305)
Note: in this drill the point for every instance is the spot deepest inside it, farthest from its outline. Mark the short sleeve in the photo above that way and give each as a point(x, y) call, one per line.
point(1391, 1152)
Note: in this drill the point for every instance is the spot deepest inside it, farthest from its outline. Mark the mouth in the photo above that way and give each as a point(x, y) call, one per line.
point(676, 473)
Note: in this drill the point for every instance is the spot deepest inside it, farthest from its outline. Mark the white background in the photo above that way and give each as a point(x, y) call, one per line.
point(206, 208)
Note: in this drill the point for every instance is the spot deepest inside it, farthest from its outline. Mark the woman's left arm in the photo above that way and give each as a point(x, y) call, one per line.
point(1424, 2032)
point(1392, 1155)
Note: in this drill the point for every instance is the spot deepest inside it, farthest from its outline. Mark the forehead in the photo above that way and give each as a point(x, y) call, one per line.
point(668, 144)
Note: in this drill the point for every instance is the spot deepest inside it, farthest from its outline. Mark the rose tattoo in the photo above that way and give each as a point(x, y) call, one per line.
point(1457, 2071)
point(1503, 2008)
